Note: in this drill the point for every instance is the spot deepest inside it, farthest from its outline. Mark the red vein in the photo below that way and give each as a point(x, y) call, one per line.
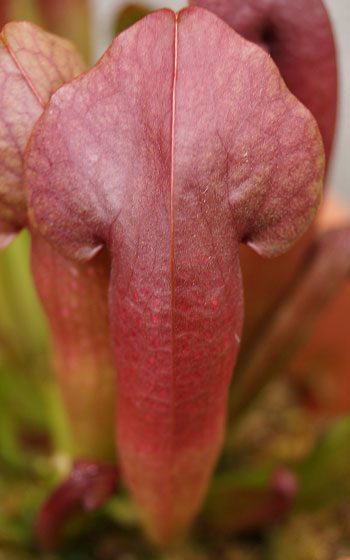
point(22, 72)
point(172, 227)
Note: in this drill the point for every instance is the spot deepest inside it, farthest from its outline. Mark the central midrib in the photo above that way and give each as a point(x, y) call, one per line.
point(22, 71)
point(172, 237)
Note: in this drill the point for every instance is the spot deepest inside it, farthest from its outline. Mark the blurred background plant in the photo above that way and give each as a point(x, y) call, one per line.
point(282, 487)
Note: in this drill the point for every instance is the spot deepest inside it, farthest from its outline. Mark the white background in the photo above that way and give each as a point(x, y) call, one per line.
point(104, 12)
